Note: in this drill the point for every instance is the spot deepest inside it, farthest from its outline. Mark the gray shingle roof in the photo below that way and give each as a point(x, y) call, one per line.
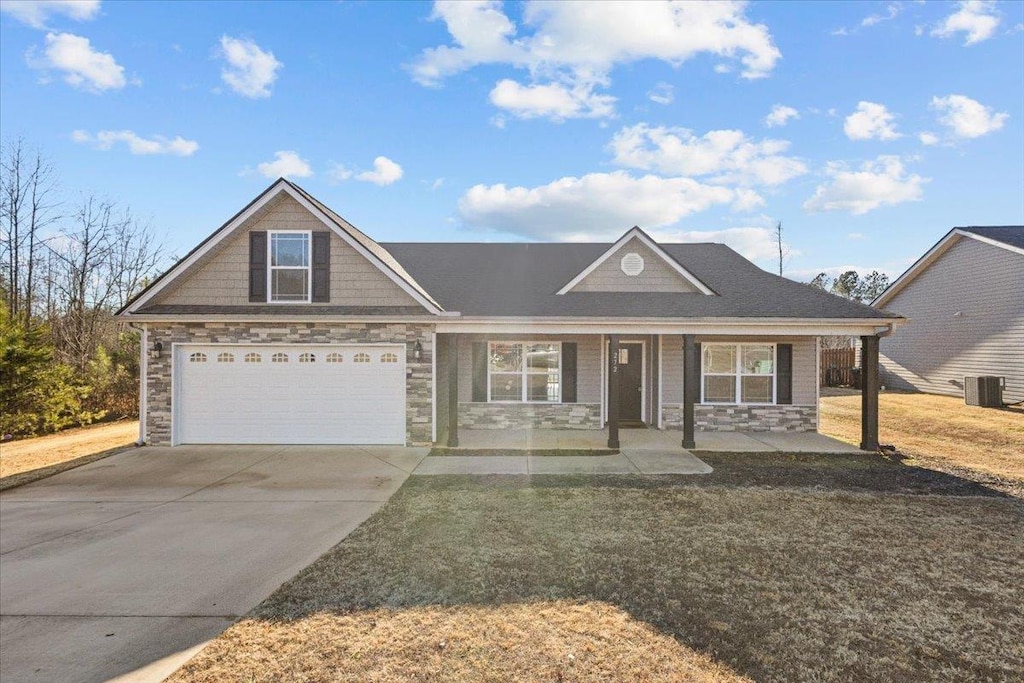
point(1012, 235)
point(520, 280)
point(369, 244)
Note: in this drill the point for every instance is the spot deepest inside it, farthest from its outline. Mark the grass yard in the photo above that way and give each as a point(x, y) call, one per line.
point(773, 568)
point(53, 452)
point(941, 432)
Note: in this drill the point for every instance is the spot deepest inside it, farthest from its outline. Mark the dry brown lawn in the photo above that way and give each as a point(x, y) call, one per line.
point(702, 579)
point(938, 431)
point(26, 455)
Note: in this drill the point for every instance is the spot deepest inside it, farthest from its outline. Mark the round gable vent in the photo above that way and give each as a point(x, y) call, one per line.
point(632, 264)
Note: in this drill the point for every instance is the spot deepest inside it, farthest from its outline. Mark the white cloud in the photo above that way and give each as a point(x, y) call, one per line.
point(882, 182)
point(927, 138)
point(871, 121)
point(286, 164)
point(385, 171)
point(554, 100)
point(158, 144)
point(977, 19)
point(438, 182)
point(967, 118)
point(892, 11)
point(727, 156)
point(662, 93)
point(594, 206)
point(249, 70)
point(36, 13)
point(854, 235)
point(780, 116)
point(338, 173)
point(82, 66)
point(577, 45)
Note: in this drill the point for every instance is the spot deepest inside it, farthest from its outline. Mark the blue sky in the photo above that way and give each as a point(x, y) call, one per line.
point(868, 128)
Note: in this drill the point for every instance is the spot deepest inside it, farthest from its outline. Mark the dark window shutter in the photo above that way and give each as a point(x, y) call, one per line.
point(784, 392)
point(321, 267)
point(479, 372)
point(258, 266)
point(569, 372)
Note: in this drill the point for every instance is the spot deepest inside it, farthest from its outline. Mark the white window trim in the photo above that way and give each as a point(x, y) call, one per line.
point(740, 374)
point(271, 267)
point(524, 373)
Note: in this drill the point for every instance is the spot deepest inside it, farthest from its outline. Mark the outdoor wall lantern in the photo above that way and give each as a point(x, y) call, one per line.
point(417, 351)
point(156, 350)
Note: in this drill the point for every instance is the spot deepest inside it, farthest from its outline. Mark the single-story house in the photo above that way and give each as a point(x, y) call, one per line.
point(964, 301)
point(289, 325)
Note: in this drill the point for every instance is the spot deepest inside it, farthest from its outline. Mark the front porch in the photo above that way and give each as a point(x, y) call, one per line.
point(542, 391)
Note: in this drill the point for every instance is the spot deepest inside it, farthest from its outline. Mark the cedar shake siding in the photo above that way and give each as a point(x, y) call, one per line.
point(936, 348)
point(657, 275)
point(221, 278)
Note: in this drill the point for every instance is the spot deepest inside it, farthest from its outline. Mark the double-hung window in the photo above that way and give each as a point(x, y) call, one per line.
point(524, 372)
point(289, 271)
point(738, 373)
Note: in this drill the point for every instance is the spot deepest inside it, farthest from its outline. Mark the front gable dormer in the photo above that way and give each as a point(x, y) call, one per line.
point(635, 263)
point(286, 248)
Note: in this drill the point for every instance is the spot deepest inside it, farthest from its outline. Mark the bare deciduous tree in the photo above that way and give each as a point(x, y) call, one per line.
point(28, 205)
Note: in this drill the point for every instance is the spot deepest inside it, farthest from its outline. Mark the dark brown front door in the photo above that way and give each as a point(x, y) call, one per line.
point(630, 381)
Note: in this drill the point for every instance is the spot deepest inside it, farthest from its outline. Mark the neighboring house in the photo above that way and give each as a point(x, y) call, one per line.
point(289, 325)
point(964, 301)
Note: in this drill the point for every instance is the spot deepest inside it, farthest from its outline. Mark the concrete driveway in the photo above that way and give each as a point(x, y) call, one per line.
point(122, 569)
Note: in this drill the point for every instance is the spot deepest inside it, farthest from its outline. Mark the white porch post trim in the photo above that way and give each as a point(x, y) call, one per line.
point(143, 382)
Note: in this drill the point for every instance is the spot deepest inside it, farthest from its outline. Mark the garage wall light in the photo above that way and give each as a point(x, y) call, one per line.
point(417, 351)
point(156, 350)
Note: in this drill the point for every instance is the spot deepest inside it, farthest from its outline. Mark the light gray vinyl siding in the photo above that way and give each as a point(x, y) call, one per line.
point(805, 370)
point(221, 278)
point(936, 348)
point(588, 362)
point(657, 276)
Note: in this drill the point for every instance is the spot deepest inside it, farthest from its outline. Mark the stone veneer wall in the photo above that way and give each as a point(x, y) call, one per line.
point(418, 381)
point(755, 418)
point(530, 415)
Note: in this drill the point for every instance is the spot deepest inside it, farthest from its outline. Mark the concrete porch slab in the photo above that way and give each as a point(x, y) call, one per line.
point(657, 440)
point(803, 442)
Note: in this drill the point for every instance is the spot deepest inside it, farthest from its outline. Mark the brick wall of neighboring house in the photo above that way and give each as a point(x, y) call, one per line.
point(419, 378)
point(756, 418)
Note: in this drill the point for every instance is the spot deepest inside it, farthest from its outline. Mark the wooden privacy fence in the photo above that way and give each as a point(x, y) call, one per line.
point(838, 368)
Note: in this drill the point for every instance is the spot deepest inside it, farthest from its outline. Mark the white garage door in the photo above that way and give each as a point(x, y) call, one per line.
point(308, 394)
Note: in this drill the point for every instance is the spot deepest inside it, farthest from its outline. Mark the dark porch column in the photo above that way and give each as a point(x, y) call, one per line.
point(613, 391)
point(453, 390)
point(691, 382)
point(869, 393)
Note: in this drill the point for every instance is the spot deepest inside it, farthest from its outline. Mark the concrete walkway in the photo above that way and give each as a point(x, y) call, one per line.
point(626, 462)
point(122, 569)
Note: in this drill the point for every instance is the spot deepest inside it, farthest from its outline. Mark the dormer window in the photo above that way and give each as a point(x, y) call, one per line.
point(289, 272)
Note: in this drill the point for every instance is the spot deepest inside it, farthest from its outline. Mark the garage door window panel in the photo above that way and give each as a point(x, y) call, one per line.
point(290, 270)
